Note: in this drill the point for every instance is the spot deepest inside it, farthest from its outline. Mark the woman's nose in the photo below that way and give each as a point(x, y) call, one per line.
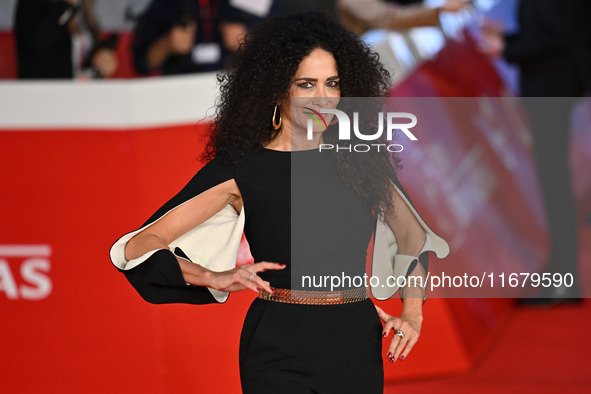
point(321, 98)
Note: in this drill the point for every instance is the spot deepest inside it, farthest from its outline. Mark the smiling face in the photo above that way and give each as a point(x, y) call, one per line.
point(315, 85)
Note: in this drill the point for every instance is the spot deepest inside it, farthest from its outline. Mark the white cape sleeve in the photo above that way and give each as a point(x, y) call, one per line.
point(213, 244)
point(388, 263)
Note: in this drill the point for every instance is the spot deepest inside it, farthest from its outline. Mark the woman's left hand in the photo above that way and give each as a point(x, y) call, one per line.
point(409, 324)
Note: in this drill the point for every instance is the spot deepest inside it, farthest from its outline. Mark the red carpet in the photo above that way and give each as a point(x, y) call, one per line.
point(541, 350)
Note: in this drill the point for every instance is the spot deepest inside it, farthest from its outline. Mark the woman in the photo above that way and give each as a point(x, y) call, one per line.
point(304, 212)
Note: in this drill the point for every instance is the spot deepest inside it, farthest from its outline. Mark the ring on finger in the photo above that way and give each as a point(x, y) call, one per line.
point(252, 276)
point(399, 333)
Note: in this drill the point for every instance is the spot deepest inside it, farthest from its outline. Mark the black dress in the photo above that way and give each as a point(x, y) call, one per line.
point(297, 212)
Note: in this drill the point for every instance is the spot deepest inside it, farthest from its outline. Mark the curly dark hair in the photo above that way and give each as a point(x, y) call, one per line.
point(260, 75)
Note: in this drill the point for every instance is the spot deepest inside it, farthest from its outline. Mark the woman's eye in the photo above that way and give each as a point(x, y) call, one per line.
point(309, 85)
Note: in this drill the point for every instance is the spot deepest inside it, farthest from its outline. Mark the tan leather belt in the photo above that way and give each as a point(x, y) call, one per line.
point(309, 297)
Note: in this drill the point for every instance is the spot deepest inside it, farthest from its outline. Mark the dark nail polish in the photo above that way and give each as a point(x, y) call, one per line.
point(384, 335)
point(389, 355)
point(401, 358)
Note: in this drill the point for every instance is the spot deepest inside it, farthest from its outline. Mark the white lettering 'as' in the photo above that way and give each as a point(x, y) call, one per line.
point(35, 281)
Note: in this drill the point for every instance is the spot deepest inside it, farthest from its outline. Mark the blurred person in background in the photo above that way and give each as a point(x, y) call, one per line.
point(187, 36)
point(60, 39)
point(551, 51)
point(362, 15)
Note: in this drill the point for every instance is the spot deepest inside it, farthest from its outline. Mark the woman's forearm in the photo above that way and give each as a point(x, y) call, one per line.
point(413, 307)
point(414, 290)
point(195, 274)
point(143, 243)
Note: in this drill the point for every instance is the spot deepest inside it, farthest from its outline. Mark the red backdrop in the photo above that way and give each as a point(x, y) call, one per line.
point(77, 192)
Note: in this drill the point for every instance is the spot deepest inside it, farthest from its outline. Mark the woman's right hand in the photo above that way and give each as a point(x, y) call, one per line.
point(239, 278)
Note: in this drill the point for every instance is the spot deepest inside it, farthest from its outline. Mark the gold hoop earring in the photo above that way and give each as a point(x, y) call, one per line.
point(277, 125)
